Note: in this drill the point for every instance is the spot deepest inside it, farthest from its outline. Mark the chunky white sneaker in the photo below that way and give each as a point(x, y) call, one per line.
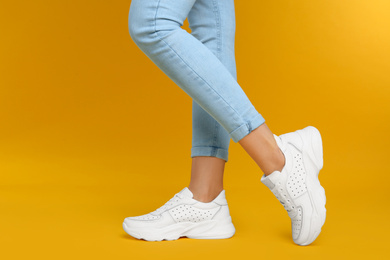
point(183, 216)
point(297, 186)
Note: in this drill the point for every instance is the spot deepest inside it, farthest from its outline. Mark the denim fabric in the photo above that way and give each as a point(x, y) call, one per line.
point(201, 63)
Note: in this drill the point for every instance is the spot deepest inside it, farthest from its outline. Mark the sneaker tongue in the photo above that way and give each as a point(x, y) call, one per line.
point(186, 192)
point(270, 180)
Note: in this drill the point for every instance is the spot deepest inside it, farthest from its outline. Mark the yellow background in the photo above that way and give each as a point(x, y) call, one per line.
point(91, 131)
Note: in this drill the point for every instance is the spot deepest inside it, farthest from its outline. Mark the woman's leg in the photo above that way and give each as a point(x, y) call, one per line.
point(154, 25)
point(213, 24)
point(292, 175)
point(206, 177)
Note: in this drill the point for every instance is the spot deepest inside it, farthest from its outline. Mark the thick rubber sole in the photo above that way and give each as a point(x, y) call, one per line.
point(309, 142)
point(210, 229)
point(313, 154)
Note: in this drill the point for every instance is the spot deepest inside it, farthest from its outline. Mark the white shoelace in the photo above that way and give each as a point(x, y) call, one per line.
point(282, 197)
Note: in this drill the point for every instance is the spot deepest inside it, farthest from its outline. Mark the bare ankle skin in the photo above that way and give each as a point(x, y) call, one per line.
point(261, 146)
point(206, 177)
point(207, 171)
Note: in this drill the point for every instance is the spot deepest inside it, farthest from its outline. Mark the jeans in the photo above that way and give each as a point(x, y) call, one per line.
point(201, 63)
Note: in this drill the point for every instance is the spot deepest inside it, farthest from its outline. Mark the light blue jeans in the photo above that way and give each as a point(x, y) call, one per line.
point(202, 63)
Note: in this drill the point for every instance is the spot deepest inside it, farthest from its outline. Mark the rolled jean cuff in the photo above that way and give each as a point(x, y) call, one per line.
point(210, 151)
point(246, 128)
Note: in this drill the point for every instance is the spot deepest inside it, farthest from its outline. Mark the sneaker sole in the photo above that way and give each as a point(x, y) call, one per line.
point(312, 152)
point(209, 229)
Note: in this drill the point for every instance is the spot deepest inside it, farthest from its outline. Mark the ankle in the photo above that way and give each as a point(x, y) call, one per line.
point(205, 195)
point(276, 164)
point(282, 160)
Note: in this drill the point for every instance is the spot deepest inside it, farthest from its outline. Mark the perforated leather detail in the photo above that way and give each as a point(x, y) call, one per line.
point(146, 217)
point(188, 213)
point(297, 223)
point(296, 184)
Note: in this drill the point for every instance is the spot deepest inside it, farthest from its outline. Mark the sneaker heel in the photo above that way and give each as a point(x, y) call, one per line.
point(316, 142)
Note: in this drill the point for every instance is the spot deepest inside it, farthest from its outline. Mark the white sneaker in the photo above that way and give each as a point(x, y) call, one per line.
point(183, 216)
point(297, 186)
